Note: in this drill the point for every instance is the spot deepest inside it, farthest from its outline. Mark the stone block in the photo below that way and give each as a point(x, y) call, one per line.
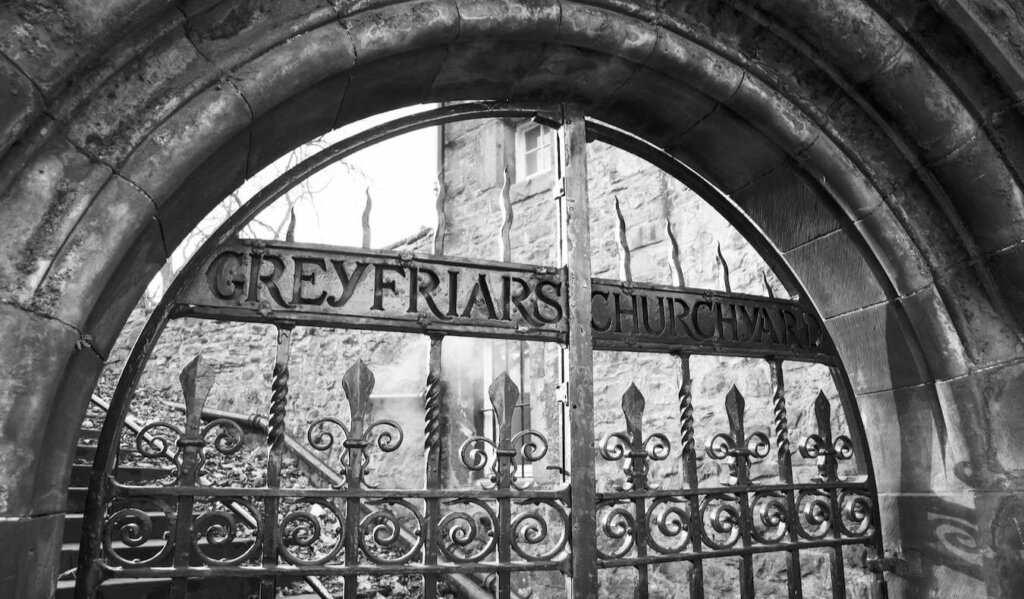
point(390, 83)
point(597, 29)
point(931, 113)
point(837, 290)
point(878, 348)
point(187, 141)
point(727, 150)
point(993, 415)
point(832, 168)
point(775, 117)
point(486, 68)
point(790, 210)
point(929, 316)
point(34, 352)
point(304, 116)
point(19, 104)
point(655, 107)
point(51, 39)
point(593, 76)
point(1007, 270)
point(203, 187)
point(896, 252)
point(402, 28)
point(62, 429)
point(125, 285)
point(114, 219)
point(281, 72)
point(231, 33)
point(139, 97)
point(38, 211)
point(984, 192)
point(532, 20)
point(924, 220)
point(874, 151)
point(686, 60)
point(985, 332)
point(29, 555)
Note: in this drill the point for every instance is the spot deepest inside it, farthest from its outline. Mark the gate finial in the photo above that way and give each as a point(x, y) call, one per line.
point(725, 269)
point(196, 380)
point(505, 240)
point(625, 260)
point(366, 219)
point(677, 268)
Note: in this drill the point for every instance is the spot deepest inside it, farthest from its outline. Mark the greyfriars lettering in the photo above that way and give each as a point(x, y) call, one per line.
point(307, 284)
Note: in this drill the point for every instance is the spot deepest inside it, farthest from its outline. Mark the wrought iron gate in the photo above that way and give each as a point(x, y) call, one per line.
point(352, 528)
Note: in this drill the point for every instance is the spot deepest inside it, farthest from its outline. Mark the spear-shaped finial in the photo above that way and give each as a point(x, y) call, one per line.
point(625, 260)
point(441, 220)
point(767, 285)
point(366, 219)
point(505, 241)
point(725, 270)
point(677, 268)
point(290, 232)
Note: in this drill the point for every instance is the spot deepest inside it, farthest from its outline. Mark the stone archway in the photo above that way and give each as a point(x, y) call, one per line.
point(877, 154)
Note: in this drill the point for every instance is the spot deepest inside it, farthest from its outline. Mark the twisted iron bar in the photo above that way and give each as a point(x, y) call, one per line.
point(686, 406)
point(779, 410)
point(279, 393)
point(432, 398)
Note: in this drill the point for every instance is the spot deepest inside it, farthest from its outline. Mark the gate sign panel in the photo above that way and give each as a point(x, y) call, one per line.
point(289, 283)
point(285, 282)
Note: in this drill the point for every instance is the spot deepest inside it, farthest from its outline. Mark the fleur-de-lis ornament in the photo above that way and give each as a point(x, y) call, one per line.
point(821, 447)
point(509, 450)
point(738, 449)
point(386, 434)
point(632, 444)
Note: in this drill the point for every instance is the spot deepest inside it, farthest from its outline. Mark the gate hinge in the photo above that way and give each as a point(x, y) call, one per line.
point(558, 190)
point(900, 564)
point(562, 394)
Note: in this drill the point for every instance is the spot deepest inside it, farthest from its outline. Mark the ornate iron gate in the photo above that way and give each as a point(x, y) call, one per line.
point(197, 530)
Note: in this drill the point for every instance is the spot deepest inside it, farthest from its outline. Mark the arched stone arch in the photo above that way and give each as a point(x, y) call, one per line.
point(884, 172)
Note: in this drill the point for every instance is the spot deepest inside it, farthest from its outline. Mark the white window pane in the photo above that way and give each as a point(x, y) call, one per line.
point(531, 138)
point(531, 163)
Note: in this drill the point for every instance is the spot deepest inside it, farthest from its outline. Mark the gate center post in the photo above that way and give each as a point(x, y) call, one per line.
point(578, 362)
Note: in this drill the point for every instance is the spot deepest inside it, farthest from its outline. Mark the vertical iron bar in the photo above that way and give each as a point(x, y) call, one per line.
point(690, 469)
point(275, 450)
point(639, 504)
point(579, 359)
point(196, 381)
point(786, 475)
point(735, 407)
point(357, 383)
point(433, 400)
point(504, 396)
point(686, 429)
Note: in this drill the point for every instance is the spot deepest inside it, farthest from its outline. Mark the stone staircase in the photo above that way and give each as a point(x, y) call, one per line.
point(127, 588)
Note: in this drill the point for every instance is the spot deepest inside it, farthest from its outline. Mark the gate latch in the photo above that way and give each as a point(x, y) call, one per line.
point(900, 564)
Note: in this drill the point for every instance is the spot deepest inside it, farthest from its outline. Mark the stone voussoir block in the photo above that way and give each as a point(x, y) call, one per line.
point(20, 103)
point(120, 212)
point(402, 27)
point(38, 211)
point(34, 349)
point(833, 293)
point(183, 142)
point(532, 20)
point(139, 97)
point(878, 348)
point(633, 39)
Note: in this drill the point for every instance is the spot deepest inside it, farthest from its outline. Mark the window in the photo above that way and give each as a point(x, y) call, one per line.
point(533, 150)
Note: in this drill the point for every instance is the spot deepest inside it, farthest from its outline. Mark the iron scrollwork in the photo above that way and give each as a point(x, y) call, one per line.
point(633, 445)
point(509, 452)
point(357, 438)
point(735, 447)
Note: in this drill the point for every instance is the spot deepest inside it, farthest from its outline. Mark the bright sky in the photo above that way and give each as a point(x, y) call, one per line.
point(400, 173)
